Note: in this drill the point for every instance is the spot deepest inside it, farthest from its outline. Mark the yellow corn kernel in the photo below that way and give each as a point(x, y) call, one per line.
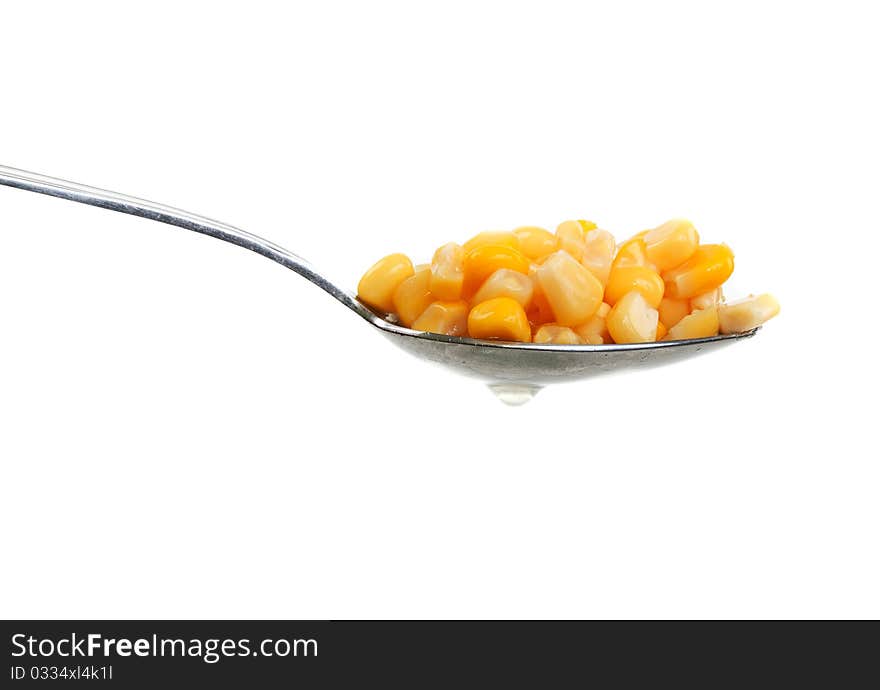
point(631, 253)
point(571, 238)
point(376, 287)
point(447, 272)
point(573, 292)
point(493, 237)
point(501, 318)
point(557, 335)
point(506, 283)
point(661, 331)
point(595, 329)
point(447, 318)
point(701, 324)
point(706, 270)
point(673, 310)
point(599, 248)
point(536, 243)
point(413, 296)
point(671, 244)
point(632, 319)
point(745, 314)
point(641, 278)
point(587, 225)
point(708, 299)
point(483, 261)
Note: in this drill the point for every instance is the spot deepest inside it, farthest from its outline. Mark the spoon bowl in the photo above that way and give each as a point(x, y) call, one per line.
point(514, 371)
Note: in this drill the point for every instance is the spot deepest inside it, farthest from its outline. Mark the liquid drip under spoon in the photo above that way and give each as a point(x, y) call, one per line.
point(514, 371)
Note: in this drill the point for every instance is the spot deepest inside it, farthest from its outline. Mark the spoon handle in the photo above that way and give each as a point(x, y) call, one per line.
point(113, 201)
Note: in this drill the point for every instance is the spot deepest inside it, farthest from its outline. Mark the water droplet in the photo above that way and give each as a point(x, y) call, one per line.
point(514, 394)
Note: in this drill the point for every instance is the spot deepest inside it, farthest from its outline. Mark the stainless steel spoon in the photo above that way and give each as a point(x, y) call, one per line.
point(514, 371)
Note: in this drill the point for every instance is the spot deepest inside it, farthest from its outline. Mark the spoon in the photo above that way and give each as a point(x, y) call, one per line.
point(515, 372)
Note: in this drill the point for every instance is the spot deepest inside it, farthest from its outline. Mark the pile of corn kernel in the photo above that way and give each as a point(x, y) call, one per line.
point(575, 286)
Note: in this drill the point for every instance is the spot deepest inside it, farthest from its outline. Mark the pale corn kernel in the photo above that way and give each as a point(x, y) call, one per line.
point(413, 296)
point(673, 310)
point(632, 319)
point(501, 318)
point(706, 270)
point(573, 292)
point(599, 249)
point(595, 329)
point(571, 238)
point(551, 333)
point(376, 287)
point(641, 278)
point(447, 272)
point(661, 331)
point(506, 283)
point(494, 237)
point(446, 318)
point(708, 299)
point(539, 311)
point(535, 242)
point(701, 324)
point(631, 253)
point(671, 244)
point(483, 261)
point(748, 313)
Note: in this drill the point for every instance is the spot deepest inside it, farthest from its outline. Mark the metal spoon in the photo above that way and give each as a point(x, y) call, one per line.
point(514, 371)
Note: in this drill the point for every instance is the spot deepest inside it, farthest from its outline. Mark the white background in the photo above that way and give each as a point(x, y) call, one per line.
point(189, 430)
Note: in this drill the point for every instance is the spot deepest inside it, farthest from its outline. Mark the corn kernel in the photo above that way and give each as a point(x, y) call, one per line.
point(447, 272)
point(706, 270)
point(587, 225)
point(446, 318)
point(506, 283)
point(493, 237)
point(661, 331)
point(594, 330)
point(571, 238)
point(376, 287)
point(745, 314)
point(591, 339)
point(671, 244)
point(632, 319)
point(573, 292)
point(412, 296)
point(599, 248)
point(708, 299)
point(483, 261)
point(536, 243)
point(641, 278)
point(539, 311)
point(673, 310)
point(631, 253)
point(701, 324)
point(554, 334)
point(501, 318)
